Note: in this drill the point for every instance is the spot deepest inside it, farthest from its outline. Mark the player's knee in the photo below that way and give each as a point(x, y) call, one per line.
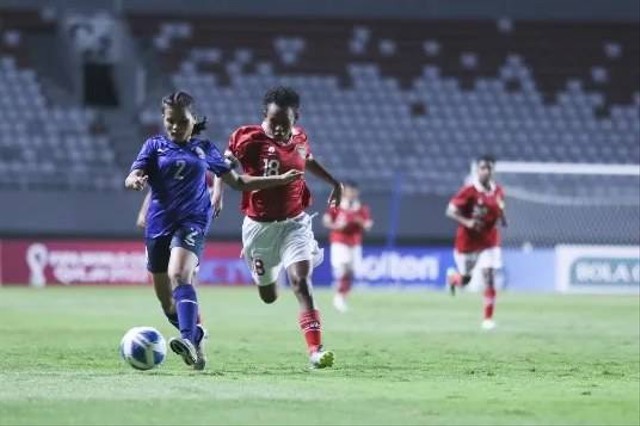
point(300, 285)
point(180, 277)
point(488, 277)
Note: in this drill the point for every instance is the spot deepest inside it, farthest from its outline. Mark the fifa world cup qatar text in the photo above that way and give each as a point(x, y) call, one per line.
point(478, 208)
point(180, 211)
point(347, 222)
point(277, 232)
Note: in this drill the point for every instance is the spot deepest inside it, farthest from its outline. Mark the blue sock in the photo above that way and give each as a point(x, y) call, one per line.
point(173, 319)
point(187, 309)
point(198, 335)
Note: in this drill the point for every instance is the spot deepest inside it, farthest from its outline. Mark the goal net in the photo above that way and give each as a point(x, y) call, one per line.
point(567, 203)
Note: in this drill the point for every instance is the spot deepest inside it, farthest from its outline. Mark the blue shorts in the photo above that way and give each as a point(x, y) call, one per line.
point(159, 248)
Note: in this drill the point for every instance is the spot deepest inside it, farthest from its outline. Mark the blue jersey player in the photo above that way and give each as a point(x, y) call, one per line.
point(180, 211)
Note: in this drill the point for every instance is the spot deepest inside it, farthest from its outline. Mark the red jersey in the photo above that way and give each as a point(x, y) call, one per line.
point(486, 206)
point(260, 155)
point(354, 217)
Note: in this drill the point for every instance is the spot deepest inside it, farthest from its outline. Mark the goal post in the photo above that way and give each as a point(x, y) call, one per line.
point(586, 215)
point(570, 203)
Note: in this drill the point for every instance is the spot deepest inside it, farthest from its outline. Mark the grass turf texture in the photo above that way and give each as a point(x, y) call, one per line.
point(402, 358)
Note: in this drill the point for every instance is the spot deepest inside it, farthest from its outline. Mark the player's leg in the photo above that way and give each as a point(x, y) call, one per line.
point(489, 298)
point(201, 333)
point(265, 269)
point(262, 259)
point(195, 281)
point(299, 274)
point(158, 252)
point(489, 261)
point(299, 250)
point(186, 247)
point(342, 267)
point(465, 263)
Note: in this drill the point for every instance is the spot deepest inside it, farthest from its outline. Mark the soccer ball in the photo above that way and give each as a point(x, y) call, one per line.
point(143, 348)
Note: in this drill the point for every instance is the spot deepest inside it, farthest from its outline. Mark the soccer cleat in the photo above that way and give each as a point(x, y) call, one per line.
point(454, 279)
point(488, 324)
point(201, 362)
point(321, 358)
point(340, 303)
point(185, 349)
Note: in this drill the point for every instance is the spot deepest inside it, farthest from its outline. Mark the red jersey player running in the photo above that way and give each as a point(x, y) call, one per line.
point(477, 207)
point(347, 223)
point(276, 231)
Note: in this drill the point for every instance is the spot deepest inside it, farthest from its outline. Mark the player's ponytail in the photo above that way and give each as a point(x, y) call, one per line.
point(185, 100)
point(199, 127)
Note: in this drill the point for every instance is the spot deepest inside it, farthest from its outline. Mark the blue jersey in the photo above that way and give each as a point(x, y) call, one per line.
point(177, 176)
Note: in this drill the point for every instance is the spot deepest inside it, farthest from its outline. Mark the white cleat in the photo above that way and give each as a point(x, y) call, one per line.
point(184, 349)
point(201, 362)
point(488, 324)
point(321, 359)
point(340, 303)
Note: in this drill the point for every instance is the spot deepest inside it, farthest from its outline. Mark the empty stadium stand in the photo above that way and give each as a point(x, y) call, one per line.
point(44, 145)
point(416, 97)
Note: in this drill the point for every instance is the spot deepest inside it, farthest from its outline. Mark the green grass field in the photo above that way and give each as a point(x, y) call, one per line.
point(402, 358)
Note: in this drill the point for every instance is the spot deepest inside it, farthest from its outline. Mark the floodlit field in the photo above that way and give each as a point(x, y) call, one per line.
point(402, 358)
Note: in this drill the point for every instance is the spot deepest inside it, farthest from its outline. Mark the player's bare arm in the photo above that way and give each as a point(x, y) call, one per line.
point(141, 221)
point(216, 194)
point(318, 170)
point(454, 213)
point(255, 183)
point(233, 161)
point(137, 180)
point(217, 191)
point(503, 215)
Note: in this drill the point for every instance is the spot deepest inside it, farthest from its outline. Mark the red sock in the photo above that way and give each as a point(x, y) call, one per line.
point(489, 302)
point(310, 325)
point(344, 284)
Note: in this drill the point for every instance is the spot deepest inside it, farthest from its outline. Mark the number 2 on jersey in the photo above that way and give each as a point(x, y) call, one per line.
point(271, 167)
point(180, 164)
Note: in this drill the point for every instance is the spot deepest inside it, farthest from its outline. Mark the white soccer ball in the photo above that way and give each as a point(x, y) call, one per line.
point(143, 348)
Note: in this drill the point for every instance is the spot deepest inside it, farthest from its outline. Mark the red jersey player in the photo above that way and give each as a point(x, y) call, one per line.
point(477, 207)
point(348, 222)
point(276, 231)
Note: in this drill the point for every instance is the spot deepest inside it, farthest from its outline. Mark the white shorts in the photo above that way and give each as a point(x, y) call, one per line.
point(484, 259)
point(268, 246)
point(345, 258)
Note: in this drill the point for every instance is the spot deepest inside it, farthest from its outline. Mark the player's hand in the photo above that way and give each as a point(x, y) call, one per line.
point(291, 176)
point(336, 196)
point(138, 183)
point(473, 224)
point(141, 222)
point(234, 163)
point(217, 203)
point(360, 221)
